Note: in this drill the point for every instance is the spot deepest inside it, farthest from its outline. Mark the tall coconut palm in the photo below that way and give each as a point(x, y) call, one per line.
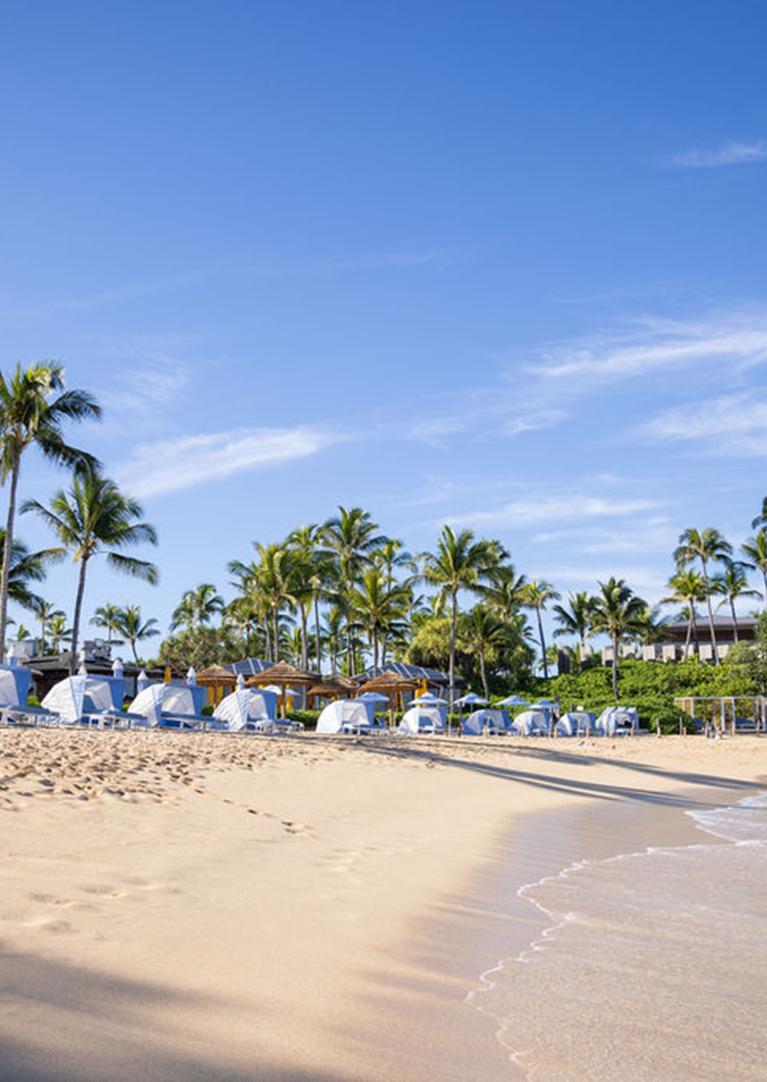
point(131, 625)
point(536, 595)
point(755, 551)
point(274, 567)
point(311, 569)
point(708, 547)
point(460, 563)
point(351, 537)
point(379, 606)
point(33, 409)
point(58, 631)
point(26, 568)
point(92, 518)
point(482, 631)
point(333, 635)
point(732, 584)
point(575, 619)
point(45, 612)
point(503, 592)
point(761, 519)
point(617, 612)
point(197, 607)
point(107, 617)
point(688, 588)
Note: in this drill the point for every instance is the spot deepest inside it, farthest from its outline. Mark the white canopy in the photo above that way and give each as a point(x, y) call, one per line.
point(422, 719)
point(470, 699)
point(243, 706)
point(613, 718)
point(482, 721)
point(78, 695)
point(158, 699)
point(9, 692)
point(343, 713)
point(574, 723)
point(513, 700)
point(531, 723)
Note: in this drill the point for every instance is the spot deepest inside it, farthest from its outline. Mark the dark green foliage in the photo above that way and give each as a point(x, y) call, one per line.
point(308, 717)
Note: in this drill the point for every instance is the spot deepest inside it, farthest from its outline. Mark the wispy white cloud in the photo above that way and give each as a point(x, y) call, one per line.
point(165, 466)
point(651, 344)
point(565, 508)
point(732, 153)
point(731, 424)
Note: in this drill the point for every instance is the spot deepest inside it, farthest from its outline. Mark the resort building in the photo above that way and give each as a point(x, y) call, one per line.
point(671, 644)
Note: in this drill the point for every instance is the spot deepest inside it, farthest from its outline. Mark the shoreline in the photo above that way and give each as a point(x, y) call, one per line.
point(299, 908)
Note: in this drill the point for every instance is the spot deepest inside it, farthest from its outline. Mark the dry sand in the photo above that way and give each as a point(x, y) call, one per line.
point(189, 906)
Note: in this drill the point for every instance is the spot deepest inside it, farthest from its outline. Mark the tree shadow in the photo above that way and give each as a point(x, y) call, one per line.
point(60, 1022)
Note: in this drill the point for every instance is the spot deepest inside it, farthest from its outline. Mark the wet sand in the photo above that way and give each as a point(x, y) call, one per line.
point(188, 907)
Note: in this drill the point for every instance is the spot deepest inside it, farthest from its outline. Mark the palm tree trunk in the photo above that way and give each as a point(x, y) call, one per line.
point(133, 649)
point(374, 644)
point(583, 650)
point(615, 667)
point(453, 634)
point(78, 611)
point(688, 637)
point(7, 553)
point(276, 633)
point(734, 619)
point(482, 673)
point(764, 576)
point(543, 644)
point(304, 638)
point(710, 614)
point(268, 630)
point(317, 641)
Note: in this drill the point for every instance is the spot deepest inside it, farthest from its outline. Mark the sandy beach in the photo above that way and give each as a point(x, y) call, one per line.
point(223, 907)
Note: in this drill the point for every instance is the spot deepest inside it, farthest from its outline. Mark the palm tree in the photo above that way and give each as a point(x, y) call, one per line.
point(481, 631)
point(22, 633)
point(58, 630)
point(536, 595)
point(332, 633)
point(379, 606)
point(575, 620)
point(504, 590)
point(688, 587)
point(761, 519)
point(45, 612)
point(131, 626)
point(94, 517)
point(732, 584)
point(33, 408)
point(460, 563)
point(351, 538)
point(309, 576)
point(108, 617)
point(708, 546)
point(26, 567)
point(617, 612)
point(273, 578)
point(197, 607)
point(755, 551)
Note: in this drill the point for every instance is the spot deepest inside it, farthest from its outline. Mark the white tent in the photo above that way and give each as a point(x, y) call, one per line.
point(244, 708)
point(422, 719)
point(531, 723)
point(9, 692)
point(344, 715)
point(575, 723)
point(78, 695)
point(616, 719)
point(481, 722)
point(159, 699)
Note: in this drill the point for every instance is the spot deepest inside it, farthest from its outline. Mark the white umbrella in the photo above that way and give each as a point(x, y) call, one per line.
point(427, 699)
point(373, 697)
point(471, 699)
point(513, 700)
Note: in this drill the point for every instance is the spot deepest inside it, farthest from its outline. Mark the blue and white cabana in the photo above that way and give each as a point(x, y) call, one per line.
point(76, 698)
point(433, 701)
point(422, 719)
point(245, 709)
point(170, 706)
point(617, 720)
point(575, 723)
point(486, 723)
point(346, 716)
point(532, 722)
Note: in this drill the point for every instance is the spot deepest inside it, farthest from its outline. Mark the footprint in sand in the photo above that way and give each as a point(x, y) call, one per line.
point(103, 892)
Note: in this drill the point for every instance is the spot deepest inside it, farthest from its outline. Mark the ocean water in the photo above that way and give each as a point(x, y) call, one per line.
point(655, 965)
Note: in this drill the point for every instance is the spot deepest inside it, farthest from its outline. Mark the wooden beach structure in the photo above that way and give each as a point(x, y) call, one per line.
point(717, 713)
point(393, 685)
point(283, 676)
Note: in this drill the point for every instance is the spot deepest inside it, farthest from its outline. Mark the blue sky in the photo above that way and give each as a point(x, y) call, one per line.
point(496, 264)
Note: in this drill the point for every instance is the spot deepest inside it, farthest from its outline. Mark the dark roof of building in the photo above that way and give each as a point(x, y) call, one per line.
point(719, 621)
point(250, 666)
point(411, 672)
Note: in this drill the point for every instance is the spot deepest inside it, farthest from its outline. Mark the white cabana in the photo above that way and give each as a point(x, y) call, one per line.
point(531, 723)
point(422, 719)
point(617, 719)
point(486, 723)
point(78, 695)
point(244, 709)
point(575, 723)
point(9, 692)
point(160, 699)
point(344, 716)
